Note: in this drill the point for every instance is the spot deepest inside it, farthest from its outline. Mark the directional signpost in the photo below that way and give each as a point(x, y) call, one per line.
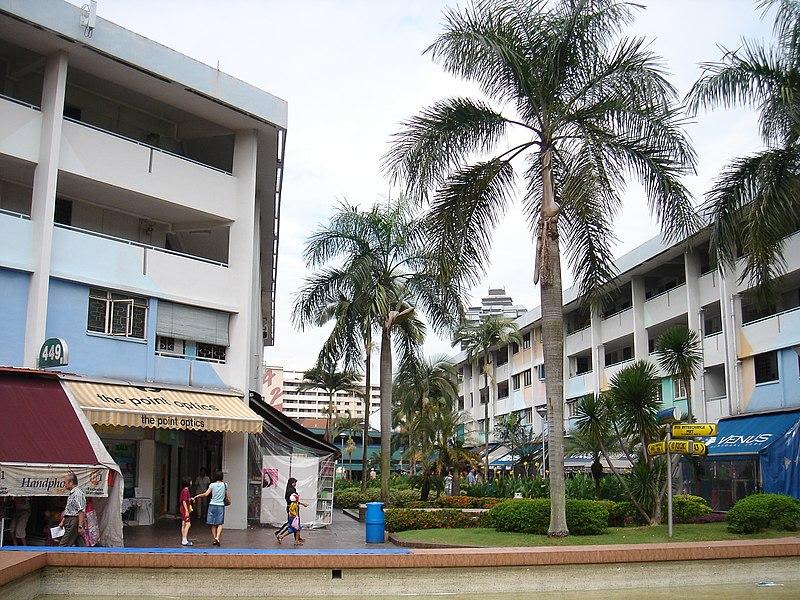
point(669, 417)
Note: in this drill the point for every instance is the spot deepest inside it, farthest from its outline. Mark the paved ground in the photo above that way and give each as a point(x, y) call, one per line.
point(344, 532)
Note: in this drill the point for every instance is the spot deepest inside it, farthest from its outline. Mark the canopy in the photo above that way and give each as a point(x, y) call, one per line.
point(42, 436)
point(160, 408)
point(750, 434)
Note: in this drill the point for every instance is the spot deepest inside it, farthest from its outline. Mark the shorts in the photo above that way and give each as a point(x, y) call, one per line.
point(216, 514)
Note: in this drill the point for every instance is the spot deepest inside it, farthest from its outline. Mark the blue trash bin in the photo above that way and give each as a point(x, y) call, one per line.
point(376, 522)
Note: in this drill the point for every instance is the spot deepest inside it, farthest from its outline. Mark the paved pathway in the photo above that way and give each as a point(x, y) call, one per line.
point(344, 532)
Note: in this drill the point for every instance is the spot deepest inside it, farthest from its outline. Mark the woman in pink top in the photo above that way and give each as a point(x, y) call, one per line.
point(186, 511)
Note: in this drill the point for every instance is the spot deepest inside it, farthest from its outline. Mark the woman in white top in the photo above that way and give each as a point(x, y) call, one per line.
point(216, 507)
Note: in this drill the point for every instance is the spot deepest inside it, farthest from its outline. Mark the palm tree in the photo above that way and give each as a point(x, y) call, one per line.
point(753, 205)
point(350, 447)
point(590, 108)
point(381, 255)
point(680, 354)
point(478, 338)
point(327, 378)
point(510, 430)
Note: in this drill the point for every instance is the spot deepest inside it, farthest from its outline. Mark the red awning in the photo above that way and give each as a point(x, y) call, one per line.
point(38, 423)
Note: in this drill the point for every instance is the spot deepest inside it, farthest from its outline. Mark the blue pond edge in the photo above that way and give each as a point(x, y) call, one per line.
point(228, 551)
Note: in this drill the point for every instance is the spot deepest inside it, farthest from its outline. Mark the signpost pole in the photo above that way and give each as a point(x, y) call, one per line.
point(669, 484)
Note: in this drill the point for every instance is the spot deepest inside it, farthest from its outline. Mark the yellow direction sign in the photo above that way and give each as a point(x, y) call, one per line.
point(694, 429)
point(677, 447)
point(657, 448)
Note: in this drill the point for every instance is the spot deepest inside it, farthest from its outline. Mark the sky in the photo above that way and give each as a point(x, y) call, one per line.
point(352, 70)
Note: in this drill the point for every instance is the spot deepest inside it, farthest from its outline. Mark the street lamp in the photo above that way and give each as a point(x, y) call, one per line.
point(542, 411)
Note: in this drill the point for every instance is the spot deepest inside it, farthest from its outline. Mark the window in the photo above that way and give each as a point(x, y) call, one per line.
point(526, 377)
point(540, 368)
point(514, 347)
point(620, 355)
point(471, 399)
point(502, 390)
point(712, 324)
point(167, 346)
point(116, 314)
point(572, 408)
point(526, 341)
point(515, 381)
point(461, 403)
point(766, 367)
point(651, 346)
point(583, 364)
point(502, 356)
point(211, 352)
point(679, 388)
point(63, 212)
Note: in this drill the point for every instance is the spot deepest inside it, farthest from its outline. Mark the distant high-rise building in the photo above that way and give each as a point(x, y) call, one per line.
point(497, 302)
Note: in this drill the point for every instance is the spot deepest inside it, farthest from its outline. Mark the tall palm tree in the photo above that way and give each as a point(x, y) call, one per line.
point(589, 108)
point(510, 430)
point(680, 354)
point(755, 203)
point(382, 254)
point(327, 378)
point(478, 339)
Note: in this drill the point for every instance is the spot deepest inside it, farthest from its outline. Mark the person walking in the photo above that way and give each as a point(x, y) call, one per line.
point(293, 519)
point(291, 488)
point(471, 478)
point(218, 492)
point(19, 522)
point(186, 511)
point(448, 484)
point(201, 484)
point(73, 519)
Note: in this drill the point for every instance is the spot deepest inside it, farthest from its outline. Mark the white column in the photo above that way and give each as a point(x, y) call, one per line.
point(641, 349)
point(234, 467)
point(43, 200)
point(694, 314)
point(727, 302)
point(598, 357)
point(144, 479)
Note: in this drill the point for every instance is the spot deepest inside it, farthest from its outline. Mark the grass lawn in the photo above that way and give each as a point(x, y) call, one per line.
point(616, 535)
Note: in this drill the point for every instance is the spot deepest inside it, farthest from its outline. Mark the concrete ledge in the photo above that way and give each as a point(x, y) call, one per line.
point(14, 565)
point(424, 545)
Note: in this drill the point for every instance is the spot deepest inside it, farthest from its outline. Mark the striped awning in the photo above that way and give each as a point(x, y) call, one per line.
point(159, 408)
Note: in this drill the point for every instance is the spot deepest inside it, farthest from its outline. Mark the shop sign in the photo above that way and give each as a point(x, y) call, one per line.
point(54, 353)
point(657, 448)
point(677, 447)
point(694, 429)
point(18, 479)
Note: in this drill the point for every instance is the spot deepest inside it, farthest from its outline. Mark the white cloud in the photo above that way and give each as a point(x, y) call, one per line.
point(351, 71)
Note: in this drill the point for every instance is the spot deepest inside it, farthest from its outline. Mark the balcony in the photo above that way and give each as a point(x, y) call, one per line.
point(579, 385)
point(665, 306)
point(612, 370)
point(617, 325)
point(578, 341)
point(98, 259)
point(709, 287)
point(20, 129)
point(100, 155)
point(716, 408)
point(770, 333)
point(17, 235)
point(714, 349)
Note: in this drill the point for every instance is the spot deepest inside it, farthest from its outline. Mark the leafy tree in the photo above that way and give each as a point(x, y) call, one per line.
point(589, 108)
point(332, 381)
point(679, 353)
point(478, 339)
point(511, 431)
point(755, 202)
point(381, 257)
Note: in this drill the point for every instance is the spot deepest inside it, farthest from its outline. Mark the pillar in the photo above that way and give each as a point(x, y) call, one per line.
point(234, 468)
point(43, 201)
point(728, 302)
point(641, 348)
point(598, 354)
point(694, 316)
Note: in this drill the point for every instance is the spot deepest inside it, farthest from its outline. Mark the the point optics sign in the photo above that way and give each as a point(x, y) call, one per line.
point(149, 419)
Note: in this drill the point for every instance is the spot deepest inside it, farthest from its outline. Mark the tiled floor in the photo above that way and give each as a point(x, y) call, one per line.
point(343, 533)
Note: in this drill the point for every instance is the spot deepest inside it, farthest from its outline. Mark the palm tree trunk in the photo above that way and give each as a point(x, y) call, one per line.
point(549, 260)
point(367, 406)
point(386, 412)
point(330, 416)
point(687, 385)
point(486, 425)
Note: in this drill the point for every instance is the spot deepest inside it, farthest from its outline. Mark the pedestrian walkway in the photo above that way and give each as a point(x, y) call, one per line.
point(343, 533)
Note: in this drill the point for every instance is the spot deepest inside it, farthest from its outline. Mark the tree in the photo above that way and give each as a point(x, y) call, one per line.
point(511, 431)
point(590, 108)
point(382, 255)
point(478, 339)
point(755, 203)
point(327, 378)
point(350, 447)
point(680, 354)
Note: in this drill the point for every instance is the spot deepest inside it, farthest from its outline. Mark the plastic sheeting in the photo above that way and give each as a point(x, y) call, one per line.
point(780, 464)
point(273, 459)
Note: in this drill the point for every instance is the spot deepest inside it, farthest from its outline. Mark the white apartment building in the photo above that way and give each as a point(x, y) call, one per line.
point(750, 354)
point(282, 388)
point(496, 302)
point(139, 203)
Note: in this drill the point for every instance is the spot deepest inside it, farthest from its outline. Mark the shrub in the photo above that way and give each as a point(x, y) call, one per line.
point(402, 519)
point(347, 498)
point(352, 497)
point(418, 504)
point(584, 517)
point(454, 501)
point(713, 517)
point(762, 511)
point(611, 489)
point(401, 498)
point(506, 487)
point(580, 487)
point(686, 507)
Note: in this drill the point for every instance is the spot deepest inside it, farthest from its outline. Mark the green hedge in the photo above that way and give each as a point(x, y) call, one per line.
point(351, 498)
point(764, 511)
point(687, 507)
point(402, 519)
point(584, 517)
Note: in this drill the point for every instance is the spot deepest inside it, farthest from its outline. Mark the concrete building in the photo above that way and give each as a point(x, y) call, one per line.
point(750, 353)
point(282, 389)
point(139, 202)
point(496, 302)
